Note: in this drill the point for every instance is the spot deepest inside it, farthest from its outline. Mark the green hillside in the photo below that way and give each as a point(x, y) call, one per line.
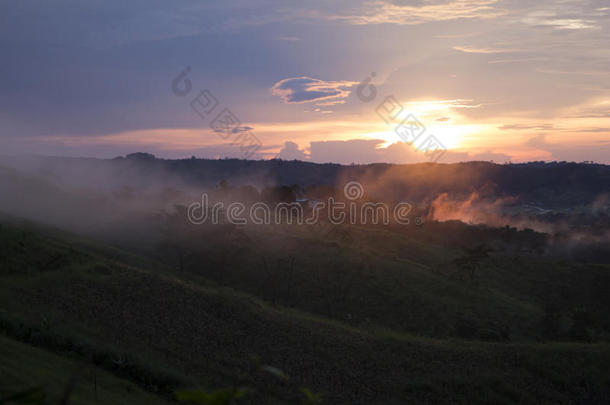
point(166, 330)
point(36, 374)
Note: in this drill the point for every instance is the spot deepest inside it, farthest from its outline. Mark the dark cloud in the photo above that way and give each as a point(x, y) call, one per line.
point(305, 89)
point(236, 130)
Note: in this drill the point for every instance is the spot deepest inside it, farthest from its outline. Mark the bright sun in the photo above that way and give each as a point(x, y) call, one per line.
point(451, 135)
point(441, 118)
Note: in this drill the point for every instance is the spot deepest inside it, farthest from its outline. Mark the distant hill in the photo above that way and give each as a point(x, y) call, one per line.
point(552, 184)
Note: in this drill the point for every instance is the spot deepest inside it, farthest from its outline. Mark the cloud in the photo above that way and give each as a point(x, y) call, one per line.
point(236, 130)
point(565, 15)
point(363, 151)
point(596, 110)
point(515, 60)
point(520, 127)
point(575, 72)
point(432, 105)
point(595, 151)
point(108, 68)
point(455, 36)
point(331, 102)
point(469, 49)
point(541, 19)
point(594, 129)
point(305, 89)
point(393, 12)
point(600, 114)
point(291, 151)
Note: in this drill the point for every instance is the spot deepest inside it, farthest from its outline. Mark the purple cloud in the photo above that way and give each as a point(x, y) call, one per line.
point(305, 89)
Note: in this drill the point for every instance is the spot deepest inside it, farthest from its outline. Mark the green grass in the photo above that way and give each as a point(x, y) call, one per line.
point(55, 289)
point(24, 367)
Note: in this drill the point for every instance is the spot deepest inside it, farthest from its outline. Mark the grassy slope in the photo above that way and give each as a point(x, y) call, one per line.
point(24, 367)
point(208, 334)
point(402, 282)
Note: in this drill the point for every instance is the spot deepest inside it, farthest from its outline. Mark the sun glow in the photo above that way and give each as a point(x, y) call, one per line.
point(451, 136)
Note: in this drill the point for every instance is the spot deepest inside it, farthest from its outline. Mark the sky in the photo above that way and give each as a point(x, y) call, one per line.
point(344, 81)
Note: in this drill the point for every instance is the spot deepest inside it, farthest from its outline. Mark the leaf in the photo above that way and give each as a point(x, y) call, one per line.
point(275, 371)
point(310, 397)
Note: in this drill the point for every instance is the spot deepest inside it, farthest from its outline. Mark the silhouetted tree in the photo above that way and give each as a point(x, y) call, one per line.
point(471, 259)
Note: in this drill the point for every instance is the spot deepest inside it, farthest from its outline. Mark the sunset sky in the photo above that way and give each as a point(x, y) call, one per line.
point(498, 80)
